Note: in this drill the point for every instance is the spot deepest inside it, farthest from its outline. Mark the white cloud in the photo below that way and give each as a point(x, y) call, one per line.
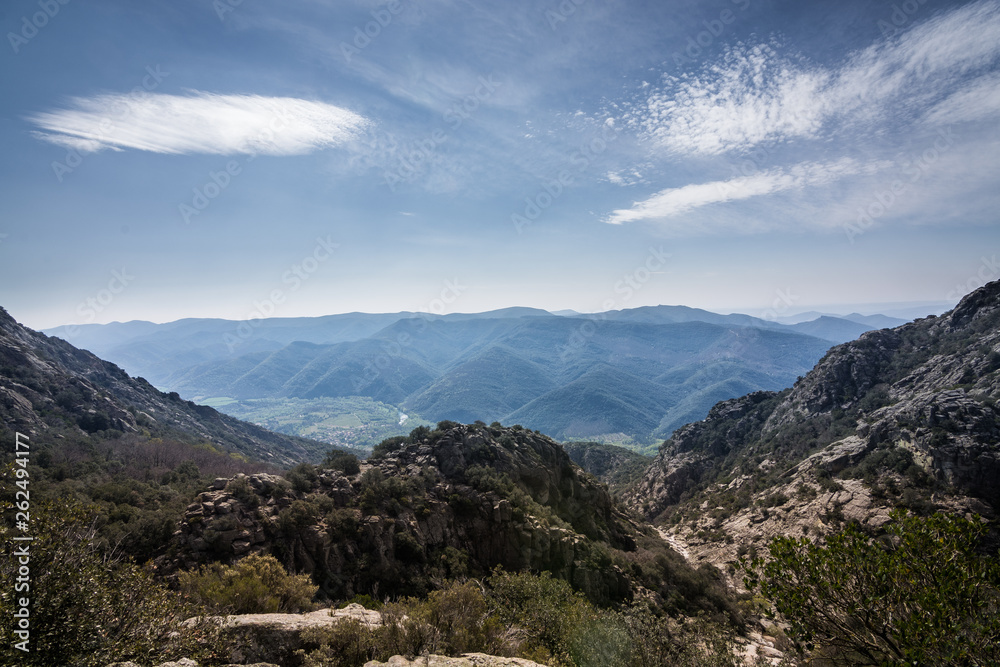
point(676, 201)
point(980, 100)
point(754, 95)
point(198, 123)
point(73, 143)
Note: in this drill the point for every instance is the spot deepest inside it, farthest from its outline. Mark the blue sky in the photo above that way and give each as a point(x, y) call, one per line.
point(244, 158)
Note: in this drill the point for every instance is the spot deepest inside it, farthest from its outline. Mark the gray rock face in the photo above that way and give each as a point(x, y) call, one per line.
point(843, 376)
point(467, 660)
point(920, 397)
point(696, 448)
point(274, 638)
point(461, 502)
point(46, 384)
point(187, 662)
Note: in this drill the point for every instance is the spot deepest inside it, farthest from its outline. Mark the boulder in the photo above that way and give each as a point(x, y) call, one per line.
point(266, 638)
point(467, 660)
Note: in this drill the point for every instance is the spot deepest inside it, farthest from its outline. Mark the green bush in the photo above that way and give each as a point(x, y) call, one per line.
point(345, 462)
point(303, 477)
point(87, 608)
point(545, 609)
point(450, 621)
point(241, 490)
point(254, 585)
point(919, 595)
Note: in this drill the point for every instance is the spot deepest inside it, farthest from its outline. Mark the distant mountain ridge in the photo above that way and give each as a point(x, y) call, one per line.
point(627, 374)
point(630, 378)
point(904, 417)
point(156, 350)
point(47, 386)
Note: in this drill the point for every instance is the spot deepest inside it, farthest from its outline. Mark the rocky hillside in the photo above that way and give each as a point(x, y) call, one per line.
point(49, 388)
point(456, 501)
point(900, 417)
point(617, 467)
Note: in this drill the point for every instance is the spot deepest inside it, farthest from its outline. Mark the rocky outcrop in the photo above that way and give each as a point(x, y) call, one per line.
point(697, 448)
point(187, 662)
point(906, 416)
point(48, 387)
point(467, 660)
point(275, 638)
point(454, 502)
point(842, 377)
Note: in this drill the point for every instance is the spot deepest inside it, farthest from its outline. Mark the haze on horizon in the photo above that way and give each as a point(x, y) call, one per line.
point(195, 159)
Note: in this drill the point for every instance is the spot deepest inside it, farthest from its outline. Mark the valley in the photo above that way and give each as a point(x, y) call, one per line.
point(627, 377)
point(347, 422)
point(338, 499)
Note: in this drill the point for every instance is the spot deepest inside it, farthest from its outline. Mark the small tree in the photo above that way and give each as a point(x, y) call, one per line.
point(255, 585)
point(920, 595)
point(87, 607)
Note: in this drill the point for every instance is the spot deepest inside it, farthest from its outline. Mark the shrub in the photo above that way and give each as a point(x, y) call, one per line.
point(254, 585)
point(546, 609)
point(388, 445)
point(345, 462)
point(342, 524)
point(922, 595)
point(241, 490)
point(460, 615)
point(87, 608)
point(302, 477)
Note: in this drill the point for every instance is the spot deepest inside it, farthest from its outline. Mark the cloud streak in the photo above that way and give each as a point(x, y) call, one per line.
point(673, 202)
point(198, 122)
point(754, 95)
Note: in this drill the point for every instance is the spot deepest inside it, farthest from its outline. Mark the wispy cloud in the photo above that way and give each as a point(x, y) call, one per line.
point(198, 123)
point(754, 95)
point(675, 201)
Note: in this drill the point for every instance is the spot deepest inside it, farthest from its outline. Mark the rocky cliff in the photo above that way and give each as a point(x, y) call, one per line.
point(49, 388)
point(440, 504)
point(900, 417)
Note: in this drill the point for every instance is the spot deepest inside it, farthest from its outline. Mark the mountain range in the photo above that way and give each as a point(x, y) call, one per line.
point(52, 390)
point(630, 375)
point(904, 417)
point(898, 418)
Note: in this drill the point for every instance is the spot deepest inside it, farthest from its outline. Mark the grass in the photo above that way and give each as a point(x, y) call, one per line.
point(353, 421)
point(217, 401)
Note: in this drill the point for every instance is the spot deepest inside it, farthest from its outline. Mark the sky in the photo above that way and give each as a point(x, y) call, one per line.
point(266, 158)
